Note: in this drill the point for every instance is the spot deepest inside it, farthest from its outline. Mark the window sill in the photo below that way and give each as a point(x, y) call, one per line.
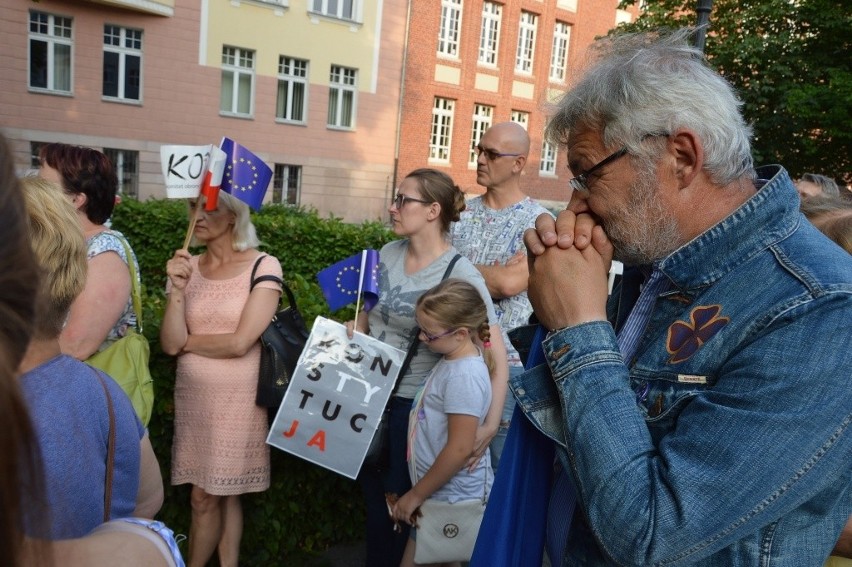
point(352, 24)
point(233, 115)
point(36, 90)
point(127, 101)
point(279, 7)
point(291, 122)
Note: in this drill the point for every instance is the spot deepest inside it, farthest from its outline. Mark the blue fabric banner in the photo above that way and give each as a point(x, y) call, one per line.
point(513, 528)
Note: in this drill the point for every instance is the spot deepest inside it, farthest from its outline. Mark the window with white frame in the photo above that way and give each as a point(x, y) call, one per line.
point(482, 117)
point(292, 102)
point(287, 184)
point(448, 33)
point(559, 53)
point(521, 117)
point(526, 43)
point(122, 63)
point(50, 42)
point(342, 91)
point(341, 9)
point(548, 159)
point(489, 39)
point(126, 164)
point(442, 130)
point(237, 96)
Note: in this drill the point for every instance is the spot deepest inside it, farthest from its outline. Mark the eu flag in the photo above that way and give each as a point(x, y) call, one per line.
point(340, 282)
point(246, 177)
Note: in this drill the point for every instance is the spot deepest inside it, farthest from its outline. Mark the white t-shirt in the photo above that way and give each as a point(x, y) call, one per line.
point(460, 386)
point(392, 319)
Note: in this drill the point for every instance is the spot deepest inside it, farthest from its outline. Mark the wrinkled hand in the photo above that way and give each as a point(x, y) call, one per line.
point(569, 259)
point(407, 508)
point(566, 230)
point(179, 269)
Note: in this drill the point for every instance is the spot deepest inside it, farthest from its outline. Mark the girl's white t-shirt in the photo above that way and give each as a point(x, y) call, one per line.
point(460, 386)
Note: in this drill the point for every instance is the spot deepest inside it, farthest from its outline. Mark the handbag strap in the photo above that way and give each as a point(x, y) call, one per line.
point(414, 343)
point(110, 462)
point(135, 292)
point(291, 298)
point(412, 429)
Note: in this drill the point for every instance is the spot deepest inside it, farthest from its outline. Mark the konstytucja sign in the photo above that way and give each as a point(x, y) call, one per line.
point(336, 398)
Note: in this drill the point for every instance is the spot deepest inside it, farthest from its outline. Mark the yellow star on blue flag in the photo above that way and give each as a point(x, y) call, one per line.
point(246, 176)
point(340, 282)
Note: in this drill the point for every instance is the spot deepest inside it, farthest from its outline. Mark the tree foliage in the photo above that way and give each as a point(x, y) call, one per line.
point(790, 62)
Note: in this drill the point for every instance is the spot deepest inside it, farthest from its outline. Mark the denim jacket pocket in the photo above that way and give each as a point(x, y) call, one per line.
point(662, 396)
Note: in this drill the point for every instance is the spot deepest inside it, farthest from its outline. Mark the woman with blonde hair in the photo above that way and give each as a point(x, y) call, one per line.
point(213, 320)
point(62, 390)
point(24, 502)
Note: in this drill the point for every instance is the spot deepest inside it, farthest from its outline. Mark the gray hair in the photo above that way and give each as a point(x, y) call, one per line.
point(826, 184)
point(656, 83)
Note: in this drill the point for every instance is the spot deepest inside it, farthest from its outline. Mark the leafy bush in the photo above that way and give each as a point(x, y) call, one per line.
point(307, 508)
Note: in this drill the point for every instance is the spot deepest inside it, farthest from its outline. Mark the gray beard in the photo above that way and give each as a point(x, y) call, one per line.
point(642, 232)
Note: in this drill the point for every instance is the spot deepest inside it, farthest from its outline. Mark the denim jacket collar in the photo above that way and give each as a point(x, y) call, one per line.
point(709, 256)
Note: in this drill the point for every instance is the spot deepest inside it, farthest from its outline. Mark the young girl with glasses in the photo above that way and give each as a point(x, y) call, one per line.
point(453, 402)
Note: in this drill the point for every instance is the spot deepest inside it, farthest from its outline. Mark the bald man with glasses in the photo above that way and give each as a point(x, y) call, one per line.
point(490, 234)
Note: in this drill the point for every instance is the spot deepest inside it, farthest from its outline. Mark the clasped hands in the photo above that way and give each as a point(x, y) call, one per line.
point(569, 259)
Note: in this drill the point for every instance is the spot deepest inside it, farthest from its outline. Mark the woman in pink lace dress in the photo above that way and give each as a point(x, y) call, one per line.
point(212, 323)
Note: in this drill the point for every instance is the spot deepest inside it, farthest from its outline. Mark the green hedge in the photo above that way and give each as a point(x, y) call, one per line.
point(307, 508)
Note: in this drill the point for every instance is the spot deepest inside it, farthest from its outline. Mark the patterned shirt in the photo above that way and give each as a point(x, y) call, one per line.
point(110, 241)
point(487, 236)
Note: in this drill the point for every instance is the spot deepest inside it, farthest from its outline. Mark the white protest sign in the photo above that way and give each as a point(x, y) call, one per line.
point(336, 398)
point(184, 168)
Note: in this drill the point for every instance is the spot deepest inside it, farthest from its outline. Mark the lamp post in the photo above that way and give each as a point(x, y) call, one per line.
point(703, 8)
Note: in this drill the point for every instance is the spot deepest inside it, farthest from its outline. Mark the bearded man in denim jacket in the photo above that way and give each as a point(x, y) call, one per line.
point(704, 420)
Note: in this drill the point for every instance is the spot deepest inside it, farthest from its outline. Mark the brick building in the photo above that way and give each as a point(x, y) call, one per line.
point(338, 97)
point(473, 63)
point(311, 86)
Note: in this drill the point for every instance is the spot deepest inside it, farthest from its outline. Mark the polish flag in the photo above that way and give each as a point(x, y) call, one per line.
point(213, 178)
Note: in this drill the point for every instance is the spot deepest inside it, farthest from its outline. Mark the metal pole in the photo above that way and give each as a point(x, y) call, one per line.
point(703, 8)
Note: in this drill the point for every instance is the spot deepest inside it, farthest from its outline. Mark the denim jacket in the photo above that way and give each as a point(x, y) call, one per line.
point(724, 441)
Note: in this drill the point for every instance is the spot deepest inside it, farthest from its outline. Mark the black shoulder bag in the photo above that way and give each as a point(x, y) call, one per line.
point(281, 345)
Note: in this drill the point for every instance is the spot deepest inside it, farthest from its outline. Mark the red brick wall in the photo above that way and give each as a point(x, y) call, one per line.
point(593, 18)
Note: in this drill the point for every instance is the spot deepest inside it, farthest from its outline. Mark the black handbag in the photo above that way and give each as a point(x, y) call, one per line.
point(281, 345)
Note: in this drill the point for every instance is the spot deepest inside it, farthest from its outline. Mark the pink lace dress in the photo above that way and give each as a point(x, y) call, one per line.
point(220, 434)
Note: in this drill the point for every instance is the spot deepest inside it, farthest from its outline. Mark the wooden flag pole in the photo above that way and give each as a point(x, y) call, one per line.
point(192, 222)
point(360, 283)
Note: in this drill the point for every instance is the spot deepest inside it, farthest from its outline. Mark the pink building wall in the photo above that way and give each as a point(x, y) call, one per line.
point(344, 173)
